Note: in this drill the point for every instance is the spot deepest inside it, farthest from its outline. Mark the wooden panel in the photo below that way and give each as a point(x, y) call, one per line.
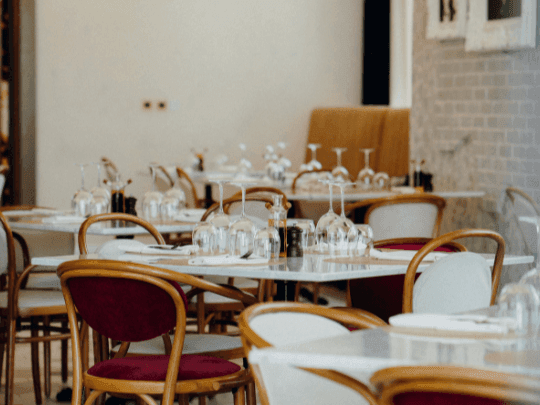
point(393, 156)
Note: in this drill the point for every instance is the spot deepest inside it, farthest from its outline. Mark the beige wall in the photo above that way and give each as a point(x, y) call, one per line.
point(230, 70)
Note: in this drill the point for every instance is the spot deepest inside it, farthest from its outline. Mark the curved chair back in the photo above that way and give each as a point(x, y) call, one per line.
point(461, 272)
point(192, 198)
point(277, 324)
point(452, 385)
point(402, 216)
point(255, 207)
point(300, 175)
point(83, 248)
point(383, 296)
point(110, 168)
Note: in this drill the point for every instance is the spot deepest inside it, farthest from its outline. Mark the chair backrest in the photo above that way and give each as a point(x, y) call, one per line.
point(278, 324)
point(414, 215)
point(453, 385)
point(383, 296)
point(7, 251)
point(255, 206)
point(444, 285)
point(192, 198)
point(83, 248)
point(300, 176)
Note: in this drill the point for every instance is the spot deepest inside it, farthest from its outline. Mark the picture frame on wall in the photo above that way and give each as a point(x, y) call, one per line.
point(447, 19)
point(501, 25)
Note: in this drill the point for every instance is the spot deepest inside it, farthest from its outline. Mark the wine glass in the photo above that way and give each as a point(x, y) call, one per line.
point(101, 196)
point(339, 172)
point(178, 193)
point(365, 176)
point(245, 164)
point(314, 163)
point(308, 231)
point(381, 180)
point(152, 200)
point(519, 303)
point(282, 160)
point(342, 233)
point(221, 221)
point(82, 199)
point(267, 243)
point(364, 241)
point(242, 231)
point(324, 222)
point(204, 236)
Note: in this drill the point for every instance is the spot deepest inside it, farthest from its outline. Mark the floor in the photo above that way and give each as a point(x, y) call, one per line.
point(24, 392)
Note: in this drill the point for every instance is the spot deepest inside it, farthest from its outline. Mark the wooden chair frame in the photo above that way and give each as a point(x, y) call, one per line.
point(356, 319)
point(374, 203)
point(255, 190)
point(182, 174)
point(503, 387)
point(295, 180)
point(39, 319)
point(143, 389)
point(443, 240)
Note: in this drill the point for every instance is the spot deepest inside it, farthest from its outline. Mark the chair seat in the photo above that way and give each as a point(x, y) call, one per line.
point(35, 299)
point(154, 368)
point(48, 281)
point(193, 344)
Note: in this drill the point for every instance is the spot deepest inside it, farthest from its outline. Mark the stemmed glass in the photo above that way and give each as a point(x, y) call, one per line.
point(519, 302)
point(221, 221)
point(204, 236)
point(339, 172)
point(242, 231)
point(245, 164)
point(101, 196)
point(342, 233)
point(152, 199)
point(365, 176)
point(364, 242)
point(314, 163)
point(81, 201)
point(321, 231)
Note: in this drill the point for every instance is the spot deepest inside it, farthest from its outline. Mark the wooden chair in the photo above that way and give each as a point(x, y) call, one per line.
point(227, 347)
point(254, 209)
point(110, 168)
point(304, 174)
point(401, 216)
point(193, 200)
point(311, 209)
point(22, 309)
point(276, 324)
point(453, 385)
point(383, 296)
point(444, 293)
point(134, 302)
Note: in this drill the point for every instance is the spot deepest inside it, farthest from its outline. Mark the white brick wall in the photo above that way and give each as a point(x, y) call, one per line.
point(491, 97)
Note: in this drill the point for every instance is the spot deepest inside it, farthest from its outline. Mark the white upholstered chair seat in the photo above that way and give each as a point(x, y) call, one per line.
point(33, 299)
point(48, 281)
point(193, 344)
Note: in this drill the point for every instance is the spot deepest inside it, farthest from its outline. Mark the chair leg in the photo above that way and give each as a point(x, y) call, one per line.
point(3, 339)
point(239, 396)
point(10, 360)
point(64, 354)
point(47, 357)
point(202, 400)
point(35, 362)
point(251, 396)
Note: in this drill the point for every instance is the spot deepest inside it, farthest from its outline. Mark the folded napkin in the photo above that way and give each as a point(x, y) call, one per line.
point(190, 215)
point(140, 258)
point(159, 250)
point(63, 219)
point(226, 260)
point(462, 323)
point(405, 255)
point(35, 211)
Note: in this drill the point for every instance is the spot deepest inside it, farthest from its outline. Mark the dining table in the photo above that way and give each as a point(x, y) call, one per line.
point(363, 352)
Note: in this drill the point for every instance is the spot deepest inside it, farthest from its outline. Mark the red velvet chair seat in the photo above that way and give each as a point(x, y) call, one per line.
point(440, 398)
point(154, 368)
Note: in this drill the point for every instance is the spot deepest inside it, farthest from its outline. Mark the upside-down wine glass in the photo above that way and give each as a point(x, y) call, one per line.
point(101, 196)
point(314, 163)
point(82, 200)
point(221, 221)
point(339, 172)
point(321, 231)
point(242, 231)
point(342, 234)
point(365, 176)
point(152, 199)
point(364, 243)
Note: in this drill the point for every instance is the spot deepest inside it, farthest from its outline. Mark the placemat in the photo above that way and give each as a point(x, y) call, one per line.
point(185, 262)
point(525, 358)
point(448, 334)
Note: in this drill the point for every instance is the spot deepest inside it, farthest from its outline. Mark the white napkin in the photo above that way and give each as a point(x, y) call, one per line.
point(63, 219)
point(155, 250)
point(463, 323)
point(190, 215)
point(35, 211)
point(140, 258)
point(226, 260)
point(406, 255)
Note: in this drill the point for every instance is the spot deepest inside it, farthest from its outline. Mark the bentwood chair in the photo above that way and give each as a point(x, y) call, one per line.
point(131, 303)
point(277, 324)
point(228, 347)
point(457, 283)
point(402, 216)
point(450, 385)
point(22, 309)
point(192, 198)
point(307, 181)
point(383, 296)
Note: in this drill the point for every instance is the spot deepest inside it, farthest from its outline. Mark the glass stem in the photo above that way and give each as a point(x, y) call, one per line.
point(220, 198)
point(367, 159)
point(243, 202)
point(98, 175)
point(153, 178)
point(331, 210)
point(342, 204)
point(82, 177)
point(339, 158)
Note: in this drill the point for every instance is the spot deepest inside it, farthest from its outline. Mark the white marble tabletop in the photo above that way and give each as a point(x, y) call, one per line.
point(358, 196)
point(311, 268)
point(361, 353)
point(100, 228)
